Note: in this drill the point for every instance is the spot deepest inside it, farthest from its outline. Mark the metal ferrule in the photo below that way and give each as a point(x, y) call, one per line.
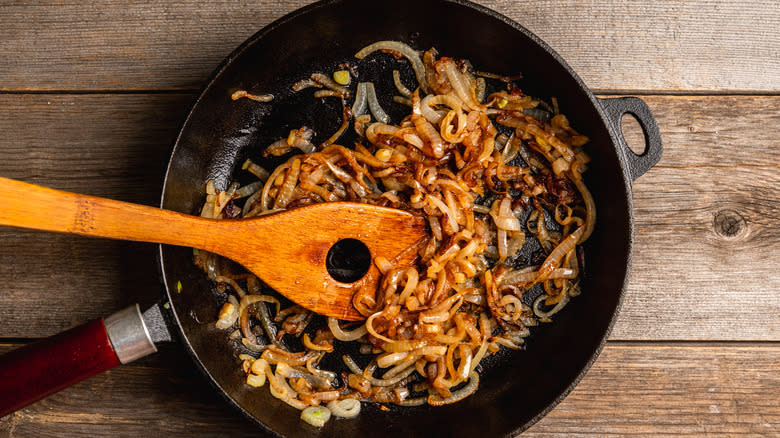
point(129, 335)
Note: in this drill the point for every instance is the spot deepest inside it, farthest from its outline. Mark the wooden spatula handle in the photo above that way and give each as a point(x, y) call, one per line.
point(287, 250)
point(30, 206)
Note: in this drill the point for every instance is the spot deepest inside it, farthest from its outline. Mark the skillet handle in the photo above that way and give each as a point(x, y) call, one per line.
point(635, 164)
point(42, 368)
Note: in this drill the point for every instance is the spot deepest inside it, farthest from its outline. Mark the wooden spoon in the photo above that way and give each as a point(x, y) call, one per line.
point(287, 250)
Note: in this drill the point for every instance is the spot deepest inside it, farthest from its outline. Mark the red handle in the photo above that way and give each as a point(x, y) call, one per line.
point(34, 371)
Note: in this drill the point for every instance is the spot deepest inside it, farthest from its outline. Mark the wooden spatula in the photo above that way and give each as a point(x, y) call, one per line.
point(287, 250)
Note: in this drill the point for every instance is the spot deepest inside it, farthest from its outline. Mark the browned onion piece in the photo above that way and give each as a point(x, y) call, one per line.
point(256, 97)
point(326, 81)
point(346, 115)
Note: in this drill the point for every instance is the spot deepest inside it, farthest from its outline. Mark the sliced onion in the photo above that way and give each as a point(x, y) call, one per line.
point(396, 46)
point(373, 104)
point(402, 100)
point(512, 148)
point(502, 244)
point(255, 170)
point(505, 218)
point(545, 316)
point(519, 277)
point(460, 84)
point(376, 129)
point(265, 321)
point(301, 139)
point(228, 314)
point(480, 89)
point(248, 189)
point(391, 381)
point(419, 401)
point(554, 258)
point(387, 359)
point(317, 416)
point(325, 80)
point(438, 203)
point(276, 355)
point(428, 112)
point(286, 190)
point(346, 336)
point(285, 370)
point(360, 104)
point(305, 83)
point(400, 85)
point(515, 243)
point(246, 300)
point(346, 408)
point(346, 115)
point(310, 345)
point(278, 148)
point(590, 208)
point(370, 327)
point(256, 97)
point(456, 396)
point(255, 380)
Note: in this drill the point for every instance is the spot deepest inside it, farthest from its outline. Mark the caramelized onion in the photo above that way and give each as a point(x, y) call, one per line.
point(431, 322)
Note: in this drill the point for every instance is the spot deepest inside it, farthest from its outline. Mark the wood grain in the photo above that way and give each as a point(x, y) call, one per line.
point(670, 46)
point(706, 249)
point(54, 282)
point(102, 145)
point(692, 279)
point(706, 169)
point(673, 390)
point(114, 146)
point(276, 256)
point(691, 390)
point(717, 132)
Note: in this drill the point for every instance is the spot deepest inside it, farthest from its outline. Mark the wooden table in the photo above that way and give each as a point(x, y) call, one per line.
point(92, 94)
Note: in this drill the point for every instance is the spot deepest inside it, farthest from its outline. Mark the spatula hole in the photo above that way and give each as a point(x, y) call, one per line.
point(348, 260)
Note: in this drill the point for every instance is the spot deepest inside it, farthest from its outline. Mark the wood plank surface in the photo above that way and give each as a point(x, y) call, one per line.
point(679, 46)
point(114, 146)
point(92, 95)
point(705, 171)
point(716, 132)
point(693, 278)
point(692, 389)
point(103, 145)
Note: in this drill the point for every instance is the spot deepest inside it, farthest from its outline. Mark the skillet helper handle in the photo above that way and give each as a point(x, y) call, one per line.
point(636, 164)
point(42, 368)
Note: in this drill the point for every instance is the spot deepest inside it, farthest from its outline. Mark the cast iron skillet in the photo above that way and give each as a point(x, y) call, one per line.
point(516, 389)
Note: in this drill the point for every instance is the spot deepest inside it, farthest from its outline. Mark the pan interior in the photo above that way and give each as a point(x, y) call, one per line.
point(220, 133)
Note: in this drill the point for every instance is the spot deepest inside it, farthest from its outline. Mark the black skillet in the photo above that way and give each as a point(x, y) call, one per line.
point(517, 388)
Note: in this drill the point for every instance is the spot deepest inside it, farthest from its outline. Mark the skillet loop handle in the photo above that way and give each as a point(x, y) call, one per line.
point(635, 164)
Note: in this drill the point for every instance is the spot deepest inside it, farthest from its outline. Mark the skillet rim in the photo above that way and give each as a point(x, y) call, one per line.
point(614, 135)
